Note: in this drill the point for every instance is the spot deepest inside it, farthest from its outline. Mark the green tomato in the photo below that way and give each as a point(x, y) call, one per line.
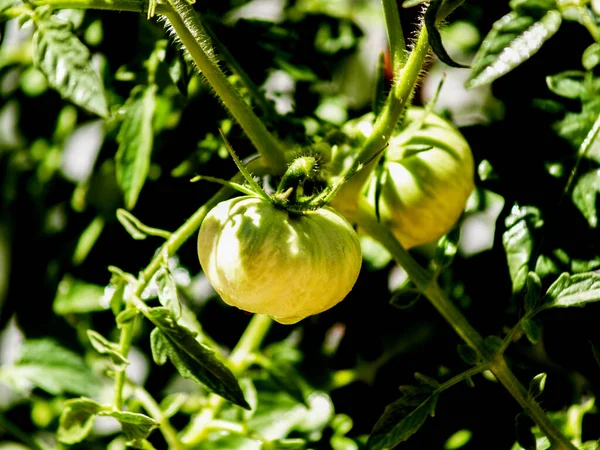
point(427, 177)
point(266, 260)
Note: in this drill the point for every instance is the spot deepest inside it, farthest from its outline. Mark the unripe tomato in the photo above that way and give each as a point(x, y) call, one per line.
point(266, 260)
point(427, 177)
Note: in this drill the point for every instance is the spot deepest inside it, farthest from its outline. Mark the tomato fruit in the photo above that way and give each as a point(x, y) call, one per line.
point(426, 178)
point(265, 259)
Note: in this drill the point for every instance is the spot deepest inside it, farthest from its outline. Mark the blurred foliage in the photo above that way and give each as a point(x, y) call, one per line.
point(65, 172)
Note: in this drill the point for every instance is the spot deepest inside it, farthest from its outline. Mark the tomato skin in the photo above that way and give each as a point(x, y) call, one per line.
point(265, 260)
point(428, 175)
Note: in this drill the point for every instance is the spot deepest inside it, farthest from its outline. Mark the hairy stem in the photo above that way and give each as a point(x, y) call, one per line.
point(190, 31)
point(365, 217)
point(395, 34)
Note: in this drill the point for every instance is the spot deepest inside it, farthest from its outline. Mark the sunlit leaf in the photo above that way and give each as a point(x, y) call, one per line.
point(572, 290)
point(77, 419)
point(167, 291)
point(518, 243)
point(135, 138)
point(65, 61)
point(194, 360)
point(537, 385)
point(105, 347)
point(514, 38)
point(135, 426)
point(75, 296)
point(591, 56)
point(569, 84)
point(585, 194)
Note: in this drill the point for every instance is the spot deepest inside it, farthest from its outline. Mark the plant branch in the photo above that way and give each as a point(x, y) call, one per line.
point(189, 29)
point(366, 219)
point(239, 361)
point(156, 413)
point(176, 240)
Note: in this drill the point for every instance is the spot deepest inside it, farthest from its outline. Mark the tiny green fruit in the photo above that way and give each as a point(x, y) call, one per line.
point(264, 259)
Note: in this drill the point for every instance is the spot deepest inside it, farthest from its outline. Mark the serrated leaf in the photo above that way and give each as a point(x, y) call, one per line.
point(537, 385)
point(513, 39)
point(135, 426)
point(435, 38)
point(54, 369)
point(531, 330)
point(533, 292)
point(105, 347)
point(167, 291)
point(194, 360)
point(77, 419)
point(569, 84)
point(395, 426)
point(135, 138)
point(585, 194)
point(65, 61)
point(518, 243)
point(572, 291)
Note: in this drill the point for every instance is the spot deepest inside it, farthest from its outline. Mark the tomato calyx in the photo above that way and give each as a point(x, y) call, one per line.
point(299, 189)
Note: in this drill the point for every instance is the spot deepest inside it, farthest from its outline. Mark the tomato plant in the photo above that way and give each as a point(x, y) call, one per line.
point(394, 156)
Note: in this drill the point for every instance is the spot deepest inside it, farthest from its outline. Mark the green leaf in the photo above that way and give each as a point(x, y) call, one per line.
point(77, 419)
point(195, 360)
point(87, 240)
point(427, 380)
point(531, 330)
point(76, 297)
point(135, 426)
point(412, 3)
point(572, 290)
point(126, 316)
point(129, 222)
point(446, 249)
point(396, 426)
point(167, 291)
point(537, 385)
point(569, 84)
point(435, 38)
point(105, 347)
point(533, 292)
point(66, 63)
point(135, 138)
point(518, 243)
point(514, 38)
point(493, 343)
point(584, 196)
point(159, 347)
point(591, 56)
point(285, 377)
point(284, 444)
point(54, 369)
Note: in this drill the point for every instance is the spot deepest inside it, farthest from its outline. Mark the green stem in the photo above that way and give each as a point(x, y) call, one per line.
point(113, 5)
point(395, 34)
point(239, 361)
point(463, 376)
point(177, 239)
point(190, 31)
point(365, 217)
point(14, 430)
point(156, 413)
